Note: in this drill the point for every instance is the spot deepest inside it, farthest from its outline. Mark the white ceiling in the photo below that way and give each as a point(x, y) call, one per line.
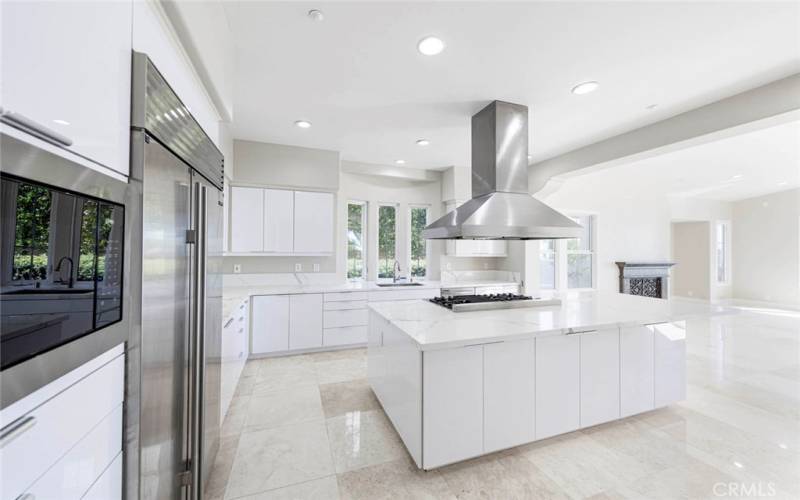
point(358, 77)
point(735, 168)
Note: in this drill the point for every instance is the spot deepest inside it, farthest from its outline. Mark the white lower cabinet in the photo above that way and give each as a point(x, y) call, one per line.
point(558, 385)
point(670, 363)
point(636, 370)
point(305, 321)
point(599, 377)
point(509, 394)
point(452, 416)
point(235, 341)
point(109, 485)
point(270, 328)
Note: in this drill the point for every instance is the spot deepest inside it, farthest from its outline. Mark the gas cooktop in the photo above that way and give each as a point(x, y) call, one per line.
point(461, 303)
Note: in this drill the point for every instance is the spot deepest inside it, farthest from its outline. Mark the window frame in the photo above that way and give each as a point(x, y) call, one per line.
point(726, 250)
point(396, 207)
point(409, 259)
point(562, 260)
point(364, 239)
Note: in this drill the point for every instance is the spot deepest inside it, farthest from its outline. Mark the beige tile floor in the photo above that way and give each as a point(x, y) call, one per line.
point(309, 427)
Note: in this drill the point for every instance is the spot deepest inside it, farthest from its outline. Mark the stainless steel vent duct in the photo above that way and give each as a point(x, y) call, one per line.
point(501, 207)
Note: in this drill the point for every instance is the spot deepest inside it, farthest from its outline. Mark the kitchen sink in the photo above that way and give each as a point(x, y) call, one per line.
point(47, 291)
point(394, 285)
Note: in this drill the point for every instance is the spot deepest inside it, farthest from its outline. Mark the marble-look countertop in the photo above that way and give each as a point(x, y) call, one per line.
point(435, 327)
point(233, 295)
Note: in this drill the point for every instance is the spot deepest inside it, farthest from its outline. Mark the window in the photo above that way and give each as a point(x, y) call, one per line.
point(722, 251)
point(32, 233)
point(579, 256)
point(547, 264)
point(356, 252)
point(387, 240)
point(568, 263)
point(419, 247)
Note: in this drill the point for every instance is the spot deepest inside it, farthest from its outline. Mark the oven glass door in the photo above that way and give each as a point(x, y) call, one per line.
point(61, 267)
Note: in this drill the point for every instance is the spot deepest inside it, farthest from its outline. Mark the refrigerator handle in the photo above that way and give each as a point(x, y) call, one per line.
point(198, 339)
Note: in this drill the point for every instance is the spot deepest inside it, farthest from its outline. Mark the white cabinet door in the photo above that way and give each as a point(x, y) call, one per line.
point(278, 220)
point(453, 405)
point(509, 394)
point(557, 385)
point(109, 485)
point(247, 225)
point(67, 67)
point(494, 248)
point(305, 321)
point(599, 377)
point(636, 370)
point(270, 325)
point(313, 222)
point(670, 363)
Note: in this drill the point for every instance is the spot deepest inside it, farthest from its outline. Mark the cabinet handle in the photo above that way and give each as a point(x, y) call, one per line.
point(574, 332)
point(228, 323)
point(24, 123)
point(241, 319)
point(485, 343)
point(15, 429)
point(241, 330)
point(26, 496)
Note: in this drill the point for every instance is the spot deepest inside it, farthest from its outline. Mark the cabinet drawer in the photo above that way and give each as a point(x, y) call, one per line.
point(58, 425)
point(340, 296)
point(75, 473)
point(109, 485)
point(352, 317)
point(345, 304)
point(344, 336)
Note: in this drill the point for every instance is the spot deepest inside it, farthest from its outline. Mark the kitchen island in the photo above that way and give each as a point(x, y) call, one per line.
point(461, 385)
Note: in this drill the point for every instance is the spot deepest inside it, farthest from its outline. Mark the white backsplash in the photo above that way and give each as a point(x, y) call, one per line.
point(487, 275)
point(259, 279)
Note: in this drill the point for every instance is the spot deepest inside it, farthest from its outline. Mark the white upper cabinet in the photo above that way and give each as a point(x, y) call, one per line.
point(281, 222)
point(278, 220)
point(247, 219)
point(67, 68)
point(313, 222)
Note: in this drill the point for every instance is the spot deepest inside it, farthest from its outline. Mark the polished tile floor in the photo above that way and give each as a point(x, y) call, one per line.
point(309, 427)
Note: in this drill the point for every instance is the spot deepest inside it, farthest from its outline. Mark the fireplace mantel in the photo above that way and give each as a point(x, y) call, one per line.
point(650, 279)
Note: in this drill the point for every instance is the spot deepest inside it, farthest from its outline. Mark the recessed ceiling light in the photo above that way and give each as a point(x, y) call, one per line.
point(430, 46)
point(400, 162)
point(303, 124)
point(585, 87)
point(316, 15)
point(61, 122)
point(423, 142)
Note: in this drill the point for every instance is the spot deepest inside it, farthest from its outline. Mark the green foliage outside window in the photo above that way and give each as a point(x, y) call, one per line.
point(387, 232)
point(355, 241)
point(419, 219)
point(31, 237)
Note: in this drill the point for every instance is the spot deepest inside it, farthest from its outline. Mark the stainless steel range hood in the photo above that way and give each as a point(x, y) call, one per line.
point(501, 207)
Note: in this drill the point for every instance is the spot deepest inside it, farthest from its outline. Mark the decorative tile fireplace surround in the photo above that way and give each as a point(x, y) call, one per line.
point(649, 279)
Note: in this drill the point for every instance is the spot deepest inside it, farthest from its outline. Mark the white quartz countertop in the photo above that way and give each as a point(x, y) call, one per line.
point(233, 295)
point(435, 327)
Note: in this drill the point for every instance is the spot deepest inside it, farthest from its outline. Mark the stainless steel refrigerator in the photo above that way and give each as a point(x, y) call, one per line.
point(173, 400)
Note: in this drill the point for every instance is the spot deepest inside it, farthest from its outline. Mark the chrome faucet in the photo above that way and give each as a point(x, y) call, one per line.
point(71, 269)
point(396, 271)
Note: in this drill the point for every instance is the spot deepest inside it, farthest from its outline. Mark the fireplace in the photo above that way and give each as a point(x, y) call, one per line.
point(648, 279)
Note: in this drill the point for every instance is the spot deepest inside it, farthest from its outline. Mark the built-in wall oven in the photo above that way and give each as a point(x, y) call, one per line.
point(62, 266)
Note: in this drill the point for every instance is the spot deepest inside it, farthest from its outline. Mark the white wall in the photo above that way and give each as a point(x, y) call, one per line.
point(629, 225)
point(376, 190)
point(278, 165)
point(766, 248)
point(691, 251)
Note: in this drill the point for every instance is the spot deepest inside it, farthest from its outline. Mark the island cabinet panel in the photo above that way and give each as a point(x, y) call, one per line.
point(636, 370)
point(270, 330)
point(305, 321)
point(509, 394)
point(599, 377)
point(557, 385)
point(670, 362)
point(453, 405)
point(400, 387)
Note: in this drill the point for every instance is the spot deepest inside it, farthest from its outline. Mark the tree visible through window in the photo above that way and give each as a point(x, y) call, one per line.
point(356, 218)
point(387, 240)
point(419, 219)
point(31, 234)
point(579, 256)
